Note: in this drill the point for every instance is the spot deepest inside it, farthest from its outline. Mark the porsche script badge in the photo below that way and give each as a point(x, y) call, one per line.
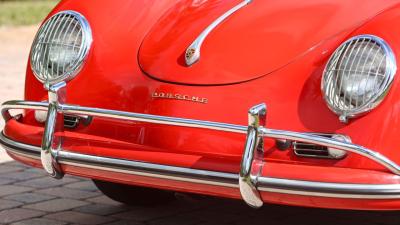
point(183, 97)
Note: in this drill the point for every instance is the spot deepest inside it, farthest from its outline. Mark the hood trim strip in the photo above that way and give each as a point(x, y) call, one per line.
point(192, 54)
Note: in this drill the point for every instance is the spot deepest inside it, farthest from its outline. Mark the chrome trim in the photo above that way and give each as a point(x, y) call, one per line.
point(328, 189)
point(249, 178)
point(149, 169)
point(19, 148)
point(192, 54)
point(165, 120)
point(332, 143)
point(21, 105)
point(51, 143)
point(174, 121)
point(51, 30)
point(126, 166)
point(329, 84)
point(114, 114)
point(230, 180)
point(47, 141)
point(252, 159)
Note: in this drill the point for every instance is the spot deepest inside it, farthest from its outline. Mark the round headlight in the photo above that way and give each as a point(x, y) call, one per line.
point(358, 76)
point(60, 47)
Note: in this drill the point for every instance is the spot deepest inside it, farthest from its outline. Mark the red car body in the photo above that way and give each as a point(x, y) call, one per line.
point(271, 52)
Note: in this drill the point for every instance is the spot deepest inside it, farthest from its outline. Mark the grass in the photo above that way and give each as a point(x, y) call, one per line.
point(24, 12)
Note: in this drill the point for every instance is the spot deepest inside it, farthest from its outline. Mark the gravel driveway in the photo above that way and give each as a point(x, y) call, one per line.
point(28, 196)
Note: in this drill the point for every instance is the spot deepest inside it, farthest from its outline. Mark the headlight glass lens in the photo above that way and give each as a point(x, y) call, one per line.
point(358, 75)
point(60, 47)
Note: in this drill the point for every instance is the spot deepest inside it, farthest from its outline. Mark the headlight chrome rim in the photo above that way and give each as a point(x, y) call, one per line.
point(380, 94)
point(49, 26)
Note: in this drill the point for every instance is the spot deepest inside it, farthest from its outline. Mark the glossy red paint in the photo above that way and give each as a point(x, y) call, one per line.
point(294, 50)
point(260, 38)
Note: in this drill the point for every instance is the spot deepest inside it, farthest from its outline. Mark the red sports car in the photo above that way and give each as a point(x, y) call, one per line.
point(288, 102)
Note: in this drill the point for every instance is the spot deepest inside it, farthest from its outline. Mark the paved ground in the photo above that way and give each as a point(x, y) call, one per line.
point(14, 49)
point(28, 196)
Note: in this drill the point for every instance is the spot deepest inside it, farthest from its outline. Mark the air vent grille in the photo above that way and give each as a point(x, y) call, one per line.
point(71, 121)
point(308, 150)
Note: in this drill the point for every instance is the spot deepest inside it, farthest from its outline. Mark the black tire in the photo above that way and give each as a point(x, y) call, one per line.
point(134, 195)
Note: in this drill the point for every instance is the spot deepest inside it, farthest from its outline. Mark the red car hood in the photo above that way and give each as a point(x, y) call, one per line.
point(256, 40)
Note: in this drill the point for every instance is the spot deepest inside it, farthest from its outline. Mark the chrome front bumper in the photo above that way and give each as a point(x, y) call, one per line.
point(249, 181)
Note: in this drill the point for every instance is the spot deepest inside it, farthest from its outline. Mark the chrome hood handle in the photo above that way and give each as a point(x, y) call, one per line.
point(192, 54)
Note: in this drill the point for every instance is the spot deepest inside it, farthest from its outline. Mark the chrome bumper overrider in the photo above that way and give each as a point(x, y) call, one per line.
point(249, 181)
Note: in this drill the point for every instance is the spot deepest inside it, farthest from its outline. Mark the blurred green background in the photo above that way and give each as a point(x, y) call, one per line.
point(24, 12)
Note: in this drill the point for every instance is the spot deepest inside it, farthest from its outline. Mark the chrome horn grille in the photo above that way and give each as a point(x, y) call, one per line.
point(60, 47)
point(358, 75)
